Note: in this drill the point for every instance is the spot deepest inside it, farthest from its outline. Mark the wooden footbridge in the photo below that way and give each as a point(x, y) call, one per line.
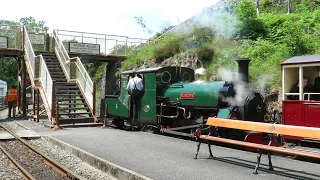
point(51, 71)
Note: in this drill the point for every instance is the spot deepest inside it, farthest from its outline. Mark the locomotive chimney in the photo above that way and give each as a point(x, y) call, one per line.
point(243, 68)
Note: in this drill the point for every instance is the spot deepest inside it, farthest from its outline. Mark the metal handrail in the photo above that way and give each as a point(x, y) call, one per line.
point(109, 44)
point(84, 80)
point(29, 52)
point(62, 54)
point(288, 94)
point(43, 76)
point(46, 81)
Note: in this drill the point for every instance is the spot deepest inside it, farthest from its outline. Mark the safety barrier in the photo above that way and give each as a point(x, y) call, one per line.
point(38, 71)
point(14, 35)
point(83, 79)
point(62, 55)
point(29, 54)
point(109, 44)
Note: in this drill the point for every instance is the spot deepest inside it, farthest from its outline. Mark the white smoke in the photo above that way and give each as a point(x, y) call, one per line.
point(217, 17)
point(262, 82)
point(242, 88)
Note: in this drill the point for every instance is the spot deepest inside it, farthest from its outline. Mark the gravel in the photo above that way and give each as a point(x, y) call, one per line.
point(66, 159)
point(31, 161)
point(70, 161)
point(8, 169)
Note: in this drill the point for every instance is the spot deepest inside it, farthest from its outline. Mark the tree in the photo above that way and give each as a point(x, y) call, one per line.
point(9, 66)
point(142, 23)
point(33, 26)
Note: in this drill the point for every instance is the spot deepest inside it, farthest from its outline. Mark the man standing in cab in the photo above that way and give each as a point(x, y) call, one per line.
point(12, 100)
point(136, 90)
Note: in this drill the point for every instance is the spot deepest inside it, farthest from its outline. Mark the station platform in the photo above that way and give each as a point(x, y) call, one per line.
point(162, 158)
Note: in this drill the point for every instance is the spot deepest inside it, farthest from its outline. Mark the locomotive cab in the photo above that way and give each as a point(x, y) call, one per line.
point(301, 92)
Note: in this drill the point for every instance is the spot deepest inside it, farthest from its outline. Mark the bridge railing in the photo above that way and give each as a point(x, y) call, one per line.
point(29, 54)
point(109, 44)
point(38, 72)
point(14, 35)
point(83, 79)
point(62, 54)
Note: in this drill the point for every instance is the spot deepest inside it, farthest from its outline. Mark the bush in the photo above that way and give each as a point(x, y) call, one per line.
point(166, 50)
point(205, 53)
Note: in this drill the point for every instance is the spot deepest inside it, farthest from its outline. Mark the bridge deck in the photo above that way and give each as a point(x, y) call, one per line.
point(10, 53)
point(160, 157)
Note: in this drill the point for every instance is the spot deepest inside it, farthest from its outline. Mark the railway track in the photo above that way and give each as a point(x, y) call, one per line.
point(3, 107)
point(32, 163)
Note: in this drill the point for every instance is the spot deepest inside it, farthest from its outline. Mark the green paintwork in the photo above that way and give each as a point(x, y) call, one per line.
point(206, 93)
point(224, 113)
point(120, 106)
point(149, 99)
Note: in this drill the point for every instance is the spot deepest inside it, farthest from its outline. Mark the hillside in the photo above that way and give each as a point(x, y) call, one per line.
point(219, 34)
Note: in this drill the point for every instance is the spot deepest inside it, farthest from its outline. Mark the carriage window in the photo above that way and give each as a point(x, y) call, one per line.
point(310, 83)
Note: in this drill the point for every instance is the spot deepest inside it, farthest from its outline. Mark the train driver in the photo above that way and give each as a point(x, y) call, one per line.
point(295, 89)
point(136, 90)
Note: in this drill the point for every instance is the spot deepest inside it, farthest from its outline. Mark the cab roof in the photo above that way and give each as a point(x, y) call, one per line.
point(148, 70)
point(302, 60)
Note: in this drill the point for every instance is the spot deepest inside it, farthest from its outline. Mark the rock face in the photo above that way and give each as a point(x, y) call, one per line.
point(185, 59)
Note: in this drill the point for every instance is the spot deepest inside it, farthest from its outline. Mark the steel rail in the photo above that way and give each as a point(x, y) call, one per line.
point(25, 173)
point(55, 165)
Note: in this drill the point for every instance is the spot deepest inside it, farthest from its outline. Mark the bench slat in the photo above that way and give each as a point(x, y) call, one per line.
point(262, 146)
point(306, 132)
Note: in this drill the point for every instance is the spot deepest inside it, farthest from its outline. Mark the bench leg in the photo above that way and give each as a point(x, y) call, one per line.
point(270, 163)
point(258, 163)
point(209, 144)
point(198, 148)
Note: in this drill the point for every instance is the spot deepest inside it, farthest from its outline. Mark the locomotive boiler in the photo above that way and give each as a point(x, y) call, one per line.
point(174, 100)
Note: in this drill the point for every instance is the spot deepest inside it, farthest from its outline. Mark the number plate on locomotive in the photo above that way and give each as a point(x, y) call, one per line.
point(186, 95)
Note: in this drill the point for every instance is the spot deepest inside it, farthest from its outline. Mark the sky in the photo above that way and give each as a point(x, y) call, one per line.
point(103, 16)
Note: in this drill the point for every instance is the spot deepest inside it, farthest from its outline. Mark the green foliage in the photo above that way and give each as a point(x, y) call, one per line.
point(95, 70)
point(168, 49)
point(205, 53)
point(267, 39)
point(9, 71)
point(9, 66)
point(266, 57)
point(250, 27)
point(33, 26)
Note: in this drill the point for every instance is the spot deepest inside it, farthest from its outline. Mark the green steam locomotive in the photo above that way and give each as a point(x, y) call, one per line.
point(174, 100)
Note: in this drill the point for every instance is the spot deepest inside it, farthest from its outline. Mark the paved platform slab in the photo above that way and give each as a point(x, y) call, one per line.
point(4, 135)
point(160, 157)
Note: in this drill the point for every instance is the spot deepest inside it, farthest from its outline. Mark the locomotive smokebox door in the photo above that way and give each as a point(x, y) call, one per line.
point(254, 108)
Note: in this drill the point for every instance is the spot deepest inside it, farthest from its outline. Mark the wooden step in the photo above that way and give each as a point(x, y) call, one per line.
point(74, 113)
point(75, 104)
point(76, 120)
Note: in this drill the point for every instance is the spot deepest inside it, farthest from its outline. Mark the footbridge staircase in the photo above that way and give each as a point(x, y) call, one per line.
point(66, 90)
point(62, 89)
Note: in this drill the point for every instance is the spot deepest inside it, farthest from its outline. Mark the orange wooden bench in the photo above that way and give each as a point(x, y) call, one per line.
point(267, 128)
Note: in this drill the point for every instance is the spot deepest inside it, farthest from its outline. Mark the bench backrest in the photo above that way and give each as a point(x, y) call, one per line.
point(299, 131)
